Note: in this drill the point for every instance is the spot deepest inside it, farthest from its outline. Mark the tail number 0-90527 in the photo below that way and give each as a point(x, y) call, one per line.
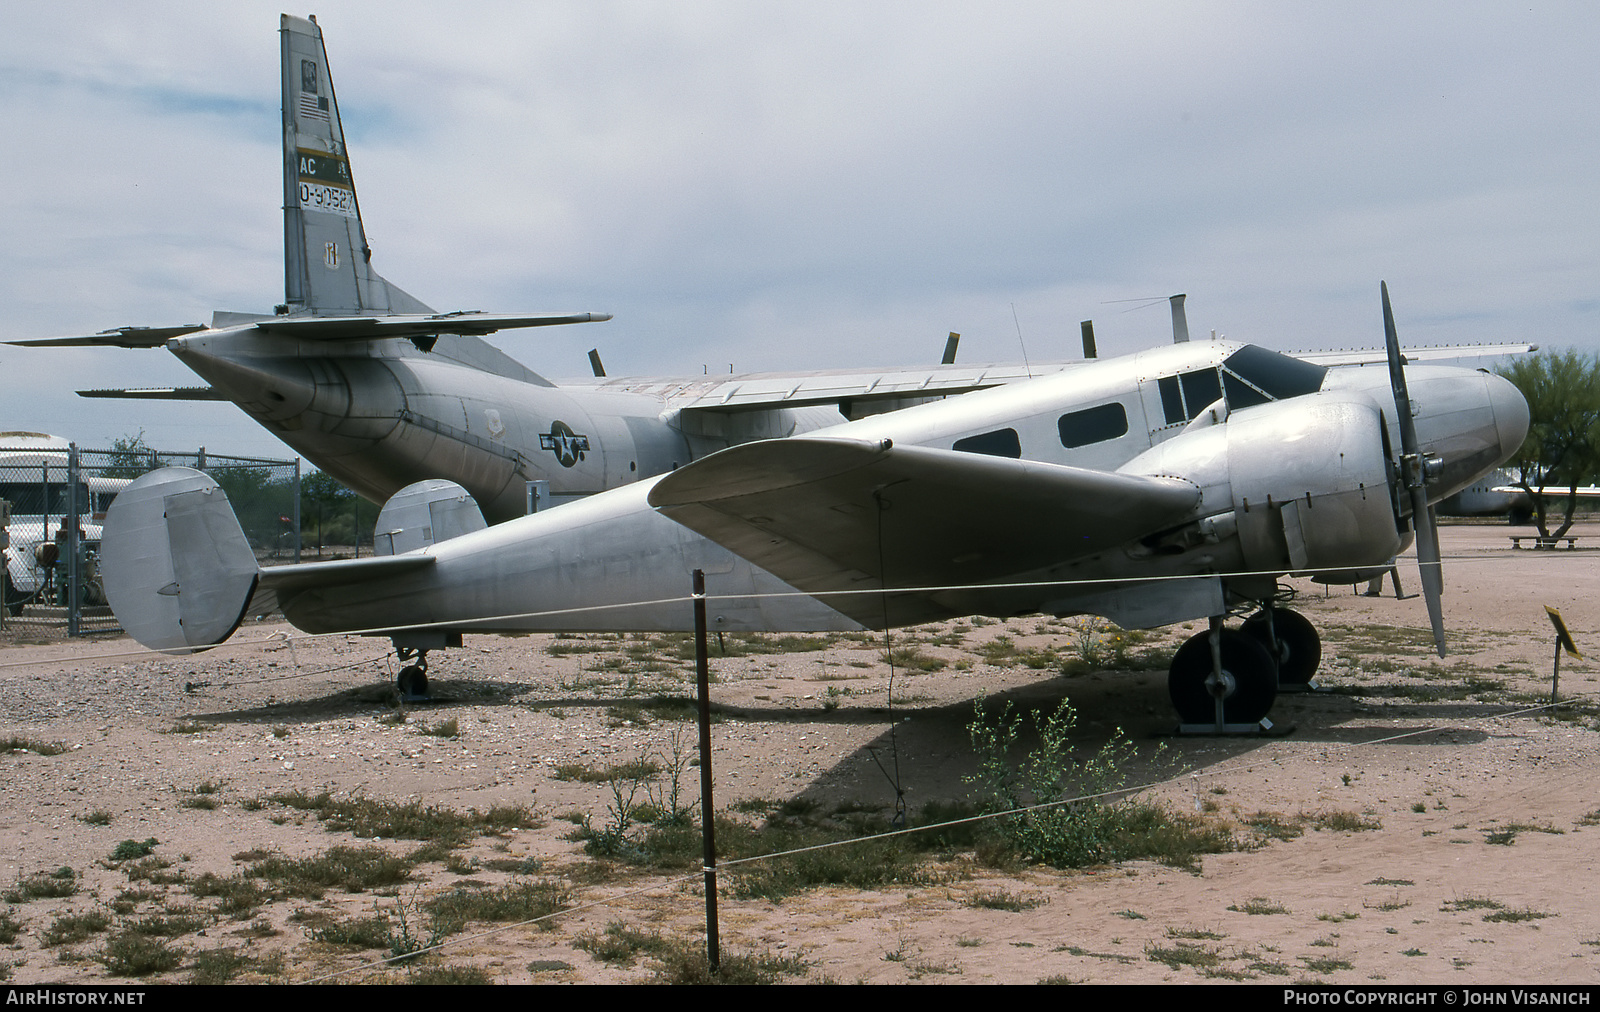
point(333, 199)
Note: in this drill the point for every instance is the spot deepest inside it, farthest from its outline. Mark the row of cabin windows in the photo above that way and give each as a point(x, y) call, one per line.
point(1077, 428)
point(1249, 376)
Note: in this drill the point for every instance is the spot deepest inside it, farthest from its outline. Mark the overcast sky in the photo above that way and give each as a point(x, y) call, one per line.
point(806, 185)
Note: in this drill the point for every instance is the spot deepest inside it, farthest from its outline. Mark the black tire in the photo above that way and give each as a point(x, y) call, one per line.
point(412, 681)
point(1249, 674)
point(1299, 646)
point(15, 602)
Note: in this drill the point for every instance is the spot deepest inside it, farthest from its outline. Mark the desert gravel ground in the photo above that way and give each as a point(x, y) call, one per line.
point(1472, 858)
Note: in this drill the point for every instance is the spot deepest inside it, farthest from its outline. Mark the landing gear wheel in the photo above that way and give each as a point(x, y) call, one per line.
point(15, 600)
point(412, 681)
point(1249, 680)
point(1299, 647)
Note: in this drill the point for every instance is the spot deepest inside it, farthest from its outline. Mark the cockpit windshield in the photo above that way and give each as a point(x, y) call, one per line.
point(1255, 375)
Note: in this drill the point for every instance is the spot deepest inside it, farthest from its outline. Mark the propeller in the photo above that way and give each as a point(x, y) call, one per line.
point(1413, 475)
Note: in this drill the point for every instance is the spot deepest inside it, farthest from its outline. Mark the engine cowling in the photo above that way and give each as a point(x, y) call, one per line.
point(1302, 484)
point(1310, 486)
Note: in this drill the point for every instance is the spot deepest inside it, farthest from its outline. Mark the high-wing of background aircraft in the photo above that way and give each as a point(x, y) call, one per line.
point(379, 391)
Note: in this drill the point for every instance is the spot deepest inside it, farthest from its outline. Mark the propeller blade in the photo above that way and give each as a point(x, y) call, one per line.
point(1411, 474)
point(1397, 378)
point(1428, 561)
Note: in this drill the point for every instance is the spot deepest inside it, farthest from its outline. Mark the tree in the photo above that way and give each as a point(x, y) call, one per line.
point(341, 516)
point(1563, 445)
point(130, 457)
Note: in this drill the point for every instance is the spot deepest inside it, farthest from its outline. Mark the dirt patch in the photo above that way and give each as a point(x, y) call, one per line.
point(1425, 821)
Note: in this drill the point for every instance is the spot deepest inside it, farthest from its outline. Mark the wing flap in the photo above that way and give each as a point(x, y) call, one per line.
point(832, 515)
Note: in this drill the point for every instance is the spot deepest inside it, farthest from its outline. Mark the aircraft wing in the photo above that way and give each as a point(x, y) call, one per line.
point(1553, 491)
point(1435, 354)
point(759, 391)
point(830, 515)
point(158, 394)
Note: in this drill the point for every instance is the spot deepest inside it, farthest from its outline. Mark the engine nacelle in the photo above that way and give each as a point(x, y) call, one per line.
point(1303, 484)
point(1310, 486)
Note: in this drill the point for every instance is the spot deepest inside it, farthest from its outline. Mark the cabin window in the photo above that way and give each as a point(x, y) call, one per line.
point(1184, 397)
point(1093, 425)
point(999, 443)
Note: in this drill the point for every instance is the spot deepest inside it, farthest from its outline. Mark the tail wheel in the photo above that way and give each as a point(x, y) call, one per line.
point(1299, 647)
point(412, 681)
point(1248, 686)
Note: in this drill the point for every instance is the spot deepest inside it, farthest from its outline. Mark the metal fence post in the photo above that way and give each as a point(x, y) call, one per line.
point(296, 513)
point(72, 516)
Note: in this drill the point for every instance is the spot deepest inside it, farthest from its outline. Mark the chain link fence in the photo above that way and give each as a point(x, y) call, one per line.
point(52, 565)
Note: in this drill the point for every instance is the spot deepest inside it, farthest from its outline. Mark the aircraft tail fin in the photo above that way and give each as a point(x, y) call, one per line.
point(327, 262)
point(178, 570)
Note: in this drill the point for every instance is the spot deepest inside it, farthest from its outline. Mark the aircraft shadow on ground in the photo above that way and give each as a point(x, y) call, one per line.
point(928, 747)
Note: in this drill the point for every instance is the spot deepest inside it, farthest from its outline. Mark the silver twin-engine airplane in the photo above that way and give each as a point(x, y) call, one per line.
point(1175, 484)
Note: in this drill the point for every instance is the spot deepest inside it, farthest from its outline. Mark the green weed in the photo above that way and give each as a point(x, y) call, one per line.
point(128, 850)
point(1072, 821)
point(130, 954)
point(69, 929)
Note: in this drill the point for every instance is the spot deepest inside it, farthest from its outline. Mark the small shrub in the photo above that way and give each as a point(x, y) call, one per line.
point(1001, 900)
point(1071, 819)
point(130, 954)
point(71, 928)
point(10, 927)
point(17, 743)
point(59, 884)
point(128, 850)
point(444, 729)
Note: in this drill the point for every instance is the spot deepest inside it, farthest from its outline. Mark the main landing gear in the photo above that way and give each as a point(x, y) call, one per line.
point(1223, 681)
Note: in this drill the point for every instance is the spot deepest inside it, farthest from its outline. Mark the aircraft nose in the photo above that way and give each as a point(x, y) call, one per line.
point(1510, 414)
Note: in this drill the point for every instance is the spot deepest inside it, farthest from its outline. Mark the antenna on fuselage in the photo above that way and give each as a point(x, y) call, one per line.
point(595, 363)
point(950, 349)
point(1016, 320)
point(1180, 321)
point(1088, 338)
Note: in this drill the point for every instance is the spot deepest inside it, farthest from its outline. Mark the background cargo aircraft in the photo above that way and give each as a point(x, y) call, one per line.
point(378, 390)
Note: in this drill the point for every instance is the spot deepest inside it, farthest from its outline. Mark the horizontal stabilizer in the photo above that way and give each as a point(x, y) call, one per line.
point(280, 585)
point(370, 328)
point(177, 567)
point(116, 337)
point(832, 515)
point(328, 328)
point(158, 394)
